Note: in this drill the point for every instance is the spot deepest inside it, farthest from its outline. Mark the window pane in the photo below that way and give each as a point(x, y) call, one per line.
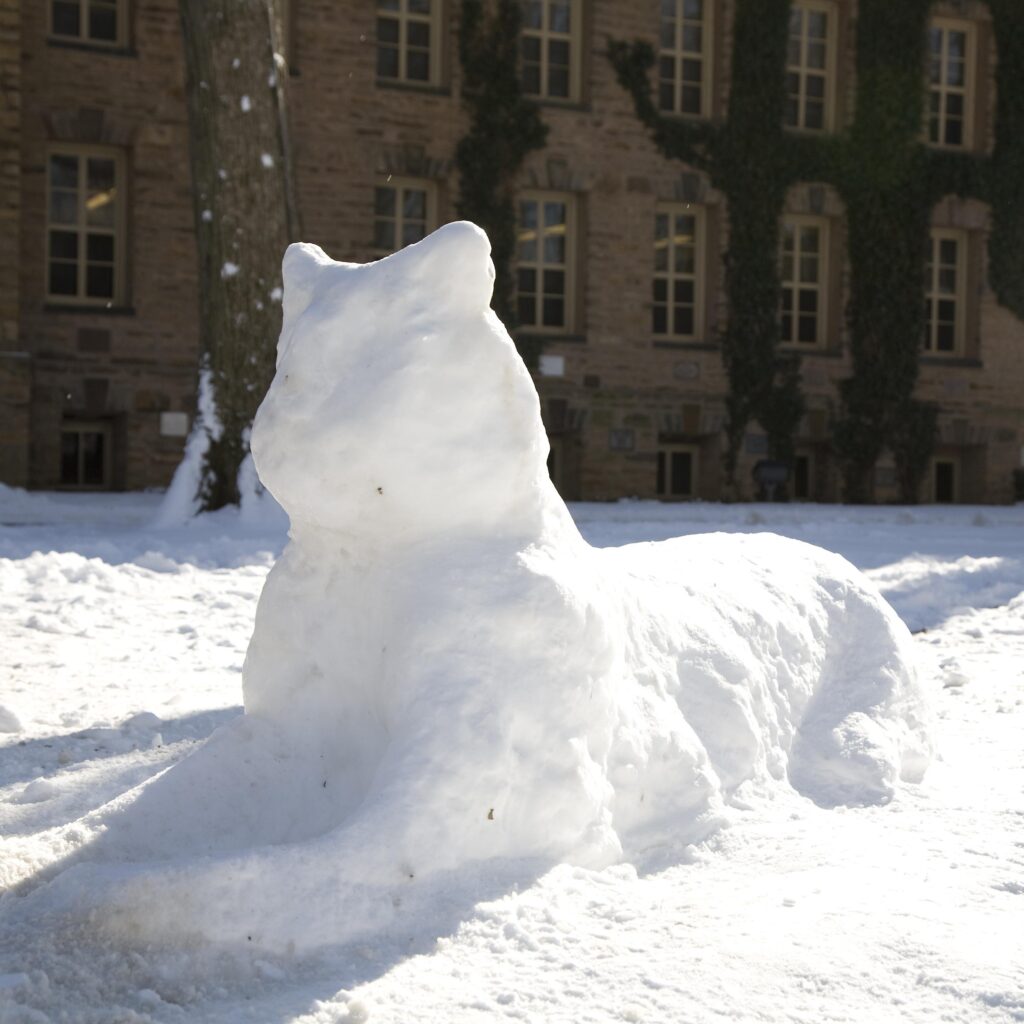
point(66, 18)
point(412, 231)
point(418, 34)
point(68, 457)
point(63, 278)
point(417, 66)
point(554, 248)
point(554, 214)
point(384, 235)
point(817, 24)
point(682, 292)
point(526, 310)
point(947, 281)
point(527, 280)
point(63, 245)
point(954, 133)
point(63, 207)
point(419, 6)
point(809, 269)
point(692, 70)
point(64, 171)
point(554, 282)
point(816, 56)
point(388, 5)
point(808, 300)
point(414, 204)
point(947, 251)
point(693, 9)
point(531, 79)
point(659, 320)
point(554, 312)
point(533, 14)
point(387, 62)
point(808, 239)
point(686, 261)
point(816, 86)
point(945, 338)
point(955, 73)
point(92, 458)
point(384, 201)
point(682, 469)
point(558, 16)
point(668, 33)
point(99, 209)
point(666, 97)
point(693, 38)
point(814, 115)
point(660, 290)
point(558, 52)
point(387, 30)
point(691, 99)
point(103, 22)
point(558, 82)
point(99, 282)
point(957, 45)
point(100, 248)
point(684, 321)
point(808, 330)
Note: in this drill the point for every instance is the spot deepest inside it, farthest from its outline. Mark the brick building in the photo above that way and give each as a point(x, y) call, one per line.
point(620, 249)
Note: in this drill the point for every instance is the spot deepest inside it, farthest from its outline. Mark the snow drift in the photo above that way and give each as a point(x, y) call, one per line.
point(444, 676)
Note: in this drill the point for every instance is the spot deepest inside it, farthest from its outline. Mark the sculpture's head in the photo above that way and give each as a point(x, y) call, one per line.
point(400, 403)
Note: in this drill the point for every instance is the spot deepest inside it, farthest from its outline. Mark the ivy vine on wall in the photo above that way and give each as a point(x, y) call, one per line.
point(889, 181)
point(504, 126)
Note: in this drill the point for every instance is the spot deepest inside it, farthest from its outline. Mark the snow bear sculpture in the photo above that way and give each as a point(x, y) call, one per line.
point(444, 674)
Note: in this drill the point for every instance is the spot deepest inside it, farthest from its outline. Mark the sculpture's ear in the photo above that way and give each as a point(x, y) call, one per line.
point(300, 270)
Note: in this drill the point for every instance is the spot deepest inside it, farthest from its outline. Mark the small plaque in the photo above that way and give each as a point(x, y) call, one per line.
point(552, 366)
point(622, 440)
point(174, 424)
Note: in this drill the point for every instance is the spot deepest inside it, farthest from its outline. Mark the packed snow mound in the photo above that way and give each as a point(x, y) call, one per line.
point(445, 676)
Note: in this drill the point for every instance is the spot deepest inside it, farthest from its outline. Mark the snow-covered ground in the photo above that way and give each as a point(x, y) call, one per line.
point(121, 648)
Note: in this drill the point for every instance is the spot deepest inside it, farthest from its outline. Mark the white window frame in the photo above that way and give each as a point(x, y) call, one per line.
point(81, 228)
point(670, 275)
point(400, 186)
point(944, 90)
point(663, 469)
point(795, 283)
point(399, 11)
point(525, 235)
point(803, 70)
point(676, 52)
point(934, 293)
point(545, 36)
point(82, 36)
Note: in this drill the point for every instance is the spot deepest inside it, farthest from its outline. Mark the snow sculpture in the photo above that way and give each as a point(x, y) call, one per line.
point(444, 674)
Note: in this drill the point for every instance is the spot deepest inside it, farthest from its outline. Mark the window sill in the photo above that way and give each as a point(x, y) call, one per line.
point(425, 89)
point(816, 351)
point(691, 346)
point(110, 49)
point(574, 339)
point(551, 103)
point(80, 308)
point(961, 362)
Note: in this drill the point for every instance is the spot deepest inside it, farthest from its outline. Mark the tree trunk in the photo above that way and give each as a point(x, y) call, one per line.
point(244, 215)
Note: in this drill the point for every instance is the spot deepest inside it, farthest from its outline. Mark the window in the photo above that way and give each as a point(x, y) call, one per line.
point(945, 485)
point(404, 211)
point(950, 82)
point(85, 227)
point(684, 63)
point(544, 283)
point(408, 34)
point(803, 272)
point(549, 49)
point(84, 454)
point(678, 263)
point(810, 66)
point(91, 21)
point(677, 472)
point(944, 305)
point(801, 479)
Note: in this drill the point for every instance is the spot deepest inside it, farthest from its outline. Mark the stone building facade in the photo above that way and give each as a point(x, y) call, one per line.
point(620, 249)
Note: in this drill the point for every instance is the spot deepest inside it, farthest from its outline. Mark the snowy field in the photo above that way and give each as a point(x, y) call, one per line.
point(121, 649)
